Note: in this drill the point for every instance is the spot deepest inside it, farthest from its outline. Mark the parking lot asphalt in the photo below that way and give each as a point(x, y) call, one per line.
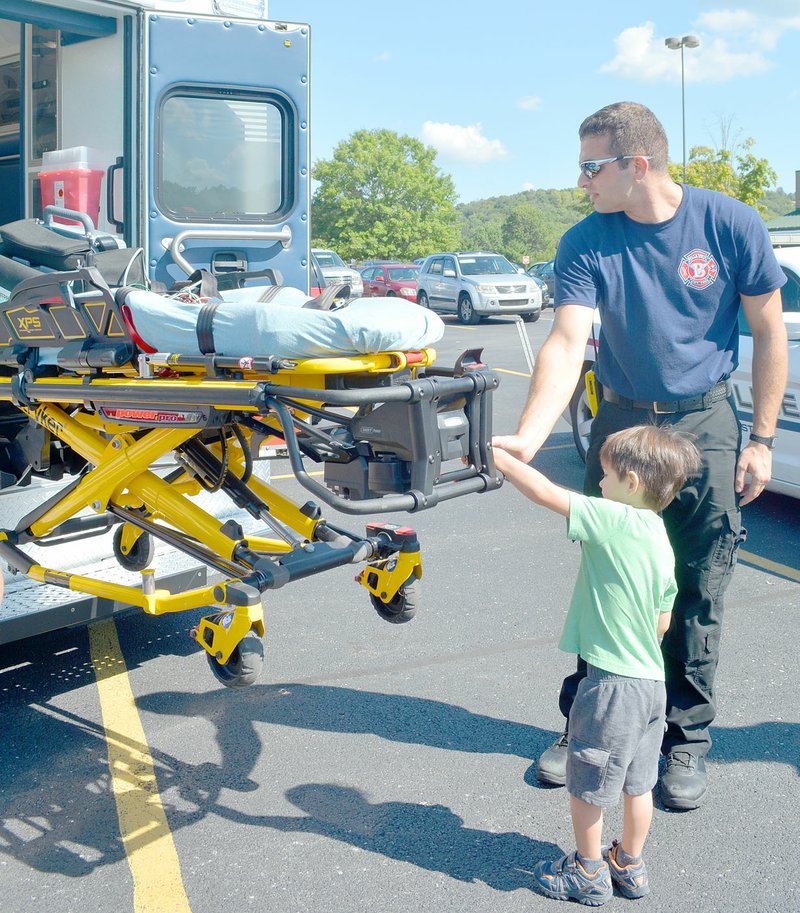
point(386, 767)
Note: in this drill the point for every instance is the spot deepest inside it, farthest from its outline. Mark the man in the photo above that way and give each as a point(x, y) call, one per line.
point(669, 267)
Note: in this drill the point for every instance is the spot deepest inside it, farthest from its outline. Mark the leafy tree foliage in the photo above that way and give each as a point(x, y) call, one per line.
point(527, 231)
point(778, 203)
point(528, 223)
point(381, 195)
point(735, 172)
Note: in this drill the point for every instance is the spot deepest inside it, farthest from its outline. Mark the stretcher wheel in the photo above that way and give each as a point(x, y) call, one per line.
point(140, 555)
point(402, 607)
point(244, 665)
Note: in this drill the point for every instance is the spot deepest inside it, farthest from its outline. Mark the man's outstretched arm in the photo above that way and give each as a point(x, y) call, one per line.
point(555, 376)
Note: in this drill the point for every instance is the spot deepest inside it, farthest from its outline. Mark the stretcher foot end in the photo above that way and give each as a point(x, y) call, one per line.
point(232, 643)
point(402, 607)
point(243, 666)
point(393, 580)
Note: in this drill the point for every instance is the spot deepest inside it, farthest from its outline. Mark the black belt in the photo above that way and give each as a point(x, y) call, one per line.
point(690, 404)
point(205, 327)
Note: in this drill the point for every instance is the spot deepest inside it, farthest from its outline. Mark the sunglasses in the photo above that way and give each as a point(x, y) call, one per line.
point(590, 169)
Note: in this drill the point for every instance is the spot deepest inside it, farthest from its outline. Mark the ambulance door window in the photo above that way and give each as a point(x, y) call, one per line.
point(223, 158)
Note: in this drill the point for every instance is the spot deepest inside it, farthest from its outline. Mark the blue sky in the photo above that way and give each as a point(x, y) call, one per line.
point(499, 89)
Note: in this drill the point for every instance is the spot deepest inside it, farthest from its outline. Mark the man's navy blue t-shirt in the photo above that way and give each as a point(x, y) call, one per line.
point(669, 292)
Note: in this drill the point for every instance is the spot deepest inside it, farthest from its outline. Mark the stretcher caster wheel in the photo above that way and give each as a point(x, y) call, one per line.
point(139, 556)
point(244, 665)
point(402, 607)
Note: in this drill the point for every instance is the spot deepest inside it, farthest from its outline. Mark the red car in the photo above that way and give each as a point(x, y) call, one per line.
point(391, 279)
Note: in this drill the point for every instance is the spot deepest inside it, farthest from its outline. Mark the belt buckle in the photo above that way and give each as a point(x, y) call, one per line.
point(658, 411)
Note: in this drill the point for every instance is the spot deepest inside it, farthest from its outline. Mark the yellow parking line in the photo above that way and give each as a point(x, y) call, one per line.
point(152, 857)
point(516, 373)
point(772, 566)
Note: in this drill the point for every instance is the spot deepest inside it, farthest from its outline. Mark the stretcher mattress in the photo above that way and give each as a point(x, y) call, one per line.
point(243, 325)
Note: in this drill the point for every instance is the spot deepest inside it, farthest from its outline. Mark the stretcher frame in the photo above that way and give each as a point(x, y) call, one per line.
point(381, 425)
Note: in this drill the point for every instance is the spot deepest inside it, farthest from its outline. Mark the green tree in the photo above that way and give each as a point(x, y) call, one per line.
point(381, 195)
point(735, 172)
point(527, 231)
point(483, 221)
point(778, 203)
point(482, 235)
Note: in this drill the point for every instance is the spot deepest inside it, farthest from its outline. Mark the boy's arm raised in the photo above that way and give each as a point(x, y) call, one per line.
point(532, 483)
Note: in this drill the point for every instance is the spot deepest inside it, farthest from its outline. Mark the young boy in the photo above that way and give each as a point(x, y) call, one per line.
point(620, 608)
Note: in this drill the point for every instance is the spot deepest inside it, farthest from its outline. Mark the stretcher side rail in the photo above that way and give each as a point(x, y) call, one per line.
point(414, 427)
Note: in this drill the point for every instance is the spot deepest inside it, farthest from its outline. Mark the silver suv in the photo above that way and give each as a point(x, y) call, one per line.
point(335, 271)
point(475, 285)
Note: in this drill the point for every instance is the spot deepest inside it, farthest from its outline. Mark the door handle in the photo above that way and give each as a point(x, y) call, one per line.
point(175, 245)
point(112, 169)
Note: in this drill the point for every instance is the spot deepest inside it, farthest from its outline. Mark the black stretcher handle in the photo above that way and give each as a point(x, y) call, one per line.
point(411, 501)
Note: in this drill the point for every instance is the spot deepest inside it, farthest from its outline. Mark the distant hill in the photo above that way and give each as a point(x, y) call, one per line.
point(778, 203)
point(498, 223)
point(489, 224)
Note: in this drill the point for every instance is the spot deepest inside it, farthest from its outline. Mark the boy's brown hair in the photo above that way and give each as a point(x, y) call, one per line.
point(661, 456)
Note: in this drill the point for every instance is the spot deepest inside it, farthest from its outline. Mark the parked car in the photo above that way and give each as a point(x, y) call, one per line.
point(390, 280)
point(786, 456)
point(368, 263)
point(546, 299)
point(316, 280)
point(335, 270)
point(545, 271)
point(476, 285)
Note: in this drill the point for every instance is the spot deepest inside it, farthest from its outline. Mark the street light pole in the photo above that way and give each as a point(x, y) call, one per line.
point(688, 41)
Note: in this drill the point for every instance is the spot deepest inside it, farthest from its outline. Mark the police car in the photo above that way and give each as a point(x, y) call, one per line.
point(786, 456)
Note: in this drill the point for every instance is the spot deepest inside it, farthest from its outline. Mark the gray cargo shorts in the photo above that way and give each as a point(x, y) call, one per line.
point(615, 730)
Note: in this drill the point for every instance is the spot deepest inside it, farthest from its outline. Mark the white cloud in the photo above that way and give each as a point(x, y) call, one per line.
point(383, 57)
point(529, 103)
point(464, 144)
point(728, 49)
point(777, 8)
point(759, 31)
point(734, 43)
point(526, 185)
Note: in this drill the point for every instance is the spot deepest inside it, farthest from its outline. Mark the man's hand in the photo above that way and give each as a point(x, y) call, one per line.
point(755, 461)
point(516, 445)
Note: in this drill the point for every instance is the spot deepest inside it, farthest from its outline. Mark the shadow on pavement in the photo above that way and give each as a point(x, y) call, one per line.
point(428, 836)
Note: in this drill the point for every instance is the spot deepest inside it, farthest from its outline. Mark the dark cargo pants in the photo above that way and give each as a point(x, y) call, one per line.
point(705, 529)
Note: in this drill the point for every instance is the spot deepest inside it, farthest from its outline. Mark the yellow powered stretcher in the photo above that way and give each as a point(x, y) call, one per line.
point(80, 400)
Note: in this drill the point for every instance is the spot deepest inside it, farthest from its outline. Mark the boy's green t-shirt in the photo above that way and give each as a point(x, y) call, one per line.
point(626, 579)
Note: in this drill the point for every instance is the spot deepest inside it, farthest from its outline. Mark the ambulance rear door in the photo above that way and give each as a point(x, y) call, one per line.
point(227, 149)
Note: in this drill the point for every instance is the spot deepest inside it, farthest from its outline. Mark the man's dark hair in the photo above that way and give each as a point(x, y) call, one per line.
point(632, 129)
point(661, 456)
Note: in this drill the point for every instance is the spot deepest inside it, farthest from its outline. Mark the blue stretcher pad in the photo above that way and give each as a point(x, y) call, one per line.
point(243, 325)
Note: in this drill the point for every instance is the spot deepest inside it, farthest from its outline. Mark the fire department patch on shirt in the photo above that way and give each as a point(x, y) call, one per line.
point(698, 269)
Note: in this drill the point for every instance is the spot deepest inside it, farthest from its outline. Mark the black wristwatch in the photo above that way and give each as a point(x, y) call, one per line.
point(766, 441)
